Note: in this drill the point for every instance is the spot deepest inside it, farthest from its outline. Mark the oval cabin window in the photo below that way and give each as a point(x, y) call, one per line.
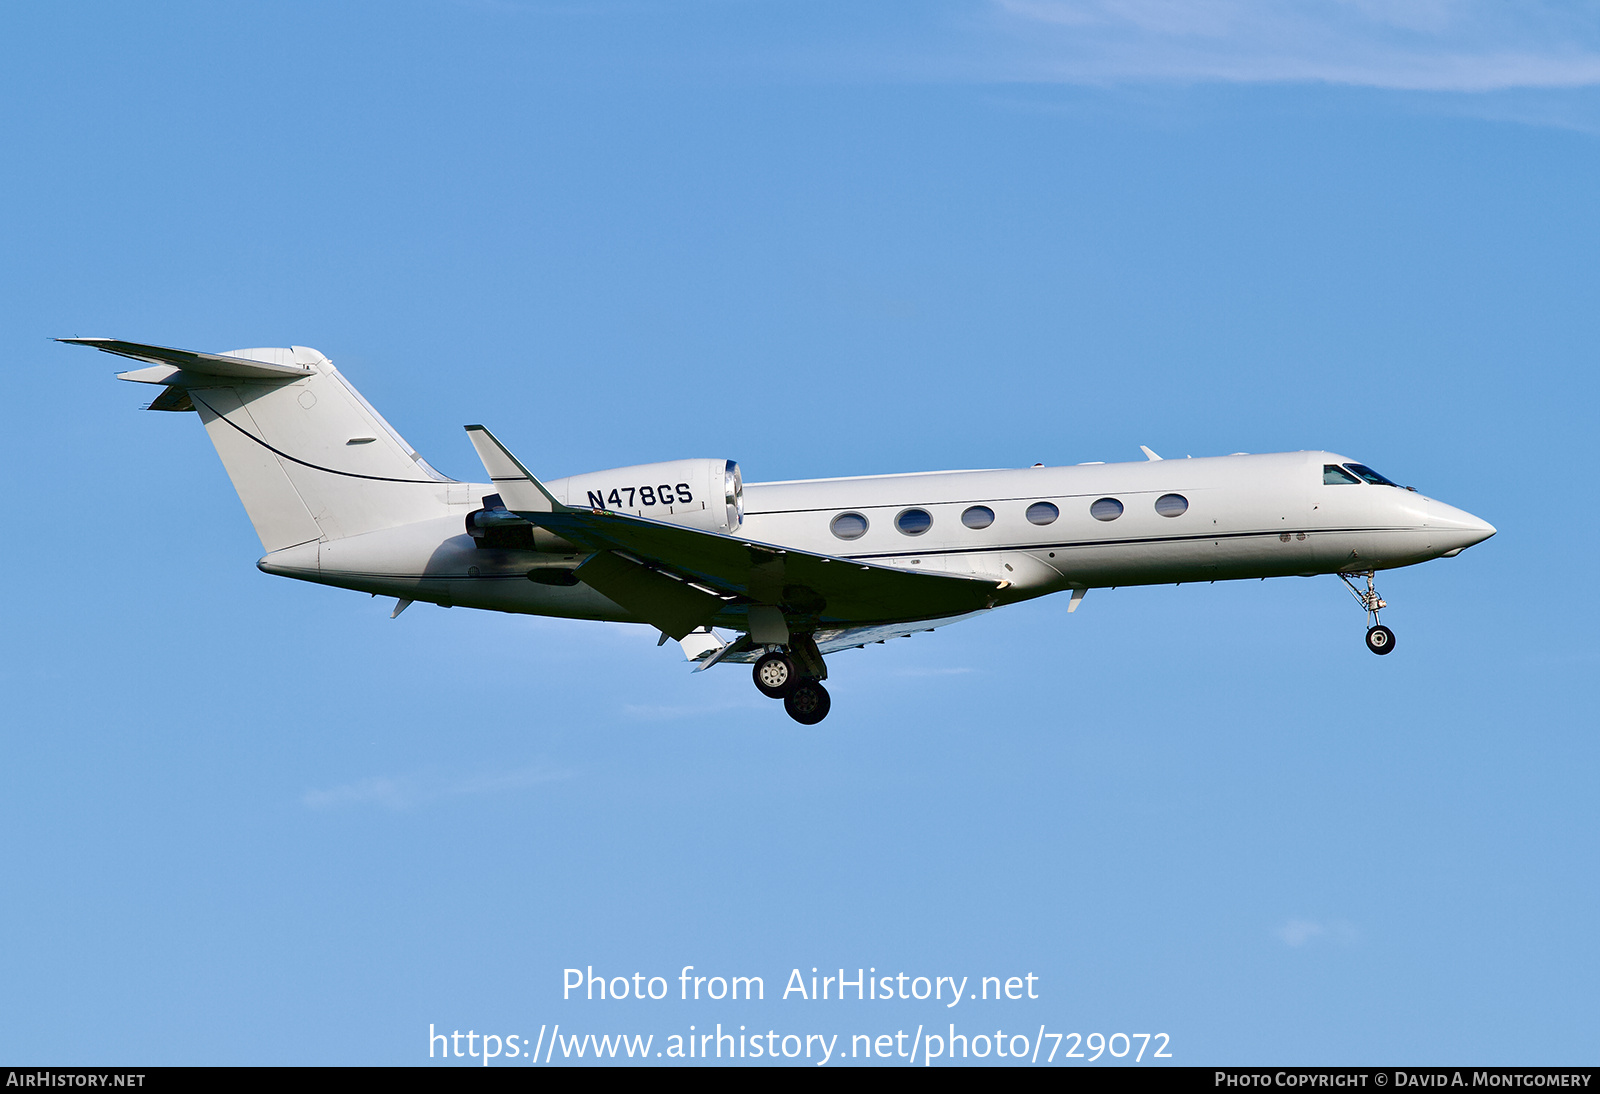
point(849, 526)
point(914, 522)
point(979, 516)
point(1172, 505)
point(1042, 512)
point(1106, 509)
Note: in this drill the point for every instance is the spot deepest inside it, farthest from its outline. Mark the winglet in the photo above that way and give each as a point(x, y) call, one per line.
point(1148, 455)
point(521, 492)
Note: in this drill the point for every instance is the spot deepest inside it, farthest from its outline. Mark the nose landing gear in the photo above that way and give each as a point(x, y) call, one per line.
point(1380, 639)
point(795, 675)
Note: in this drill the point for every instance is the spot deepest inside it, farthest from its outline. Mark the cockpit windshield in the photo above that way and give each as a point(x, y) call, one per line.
point(1369, 475)
point(1334, 475)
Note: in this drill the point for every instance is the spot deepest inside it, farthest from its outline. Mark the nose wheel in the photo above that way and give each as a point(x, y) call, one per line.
point(1380, 639)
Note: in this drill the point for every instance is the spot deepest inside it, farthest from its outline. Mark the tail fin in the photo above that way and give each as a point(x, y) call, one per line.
point(310, 458)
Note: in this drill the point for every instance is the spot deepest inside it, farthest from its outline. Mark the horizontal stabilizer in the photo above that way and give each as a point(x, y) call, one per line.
point(181, 366)
point(521, 492)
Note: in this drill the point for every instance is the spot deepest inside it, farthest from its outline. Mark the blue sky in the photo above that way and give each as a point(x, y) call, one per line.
point(252, 821)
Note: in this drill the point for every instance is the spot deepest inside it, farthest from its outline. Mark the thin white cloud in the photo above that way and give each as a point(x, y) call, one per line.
point(1433, 45)
point(389, 793)
point(1302, 932)
point(667, 712)
point(408, 791)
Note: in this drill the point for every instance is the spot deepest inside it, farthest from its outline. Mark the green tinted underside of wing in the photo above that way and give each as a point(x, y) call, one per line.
point(820, 587)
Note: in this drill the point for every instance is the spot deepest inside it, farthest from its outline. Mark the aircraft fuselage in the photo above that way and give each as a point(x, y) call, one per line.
point(1242, 516)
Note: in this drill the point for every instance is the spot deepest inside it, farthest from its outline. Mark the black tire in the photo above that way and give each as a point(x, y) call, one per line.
point(1380, 639)
point(808, 703)
point(775, 675)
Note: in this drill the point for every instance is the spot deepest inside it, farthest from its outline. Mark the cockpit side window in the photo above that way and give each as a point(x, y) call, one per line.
point(1369, 475)
point(1334, 475)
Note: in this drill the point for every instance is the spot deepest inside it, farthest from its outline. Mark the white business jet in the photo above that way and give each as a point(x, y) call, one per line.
point(795, 570)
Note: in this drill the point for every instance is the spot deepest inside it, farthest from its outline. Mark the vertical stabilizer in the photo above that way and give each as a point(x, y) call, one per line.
point(310, 458)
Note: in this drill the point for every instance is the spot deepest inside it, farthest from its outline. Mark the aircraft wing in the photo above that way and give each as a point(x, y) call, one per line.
point(679, 578)
point(835, 589)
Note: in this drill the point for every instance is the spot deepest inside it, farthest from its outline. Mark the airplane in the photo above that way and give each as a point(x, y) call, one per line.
point(794, 570)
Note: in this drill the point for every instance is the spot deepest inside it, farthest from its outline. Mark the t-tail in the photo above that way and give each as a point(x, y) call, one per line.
point(310, 458)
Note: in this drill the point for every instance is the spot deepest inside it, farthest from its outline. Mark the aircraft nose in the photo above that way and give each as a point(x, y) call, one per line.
point(1456, 529)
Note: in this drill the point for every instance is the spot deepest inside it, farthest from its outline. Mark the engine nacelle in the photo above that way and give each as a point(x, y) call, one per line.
point(497, 529)
point(704, 494)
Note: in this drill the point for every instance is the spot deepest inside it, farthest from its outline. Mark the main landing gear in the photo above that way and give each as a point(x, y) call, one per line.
point(775, 674)
point(1380, 639)
point(808, 703)
point(778, 675)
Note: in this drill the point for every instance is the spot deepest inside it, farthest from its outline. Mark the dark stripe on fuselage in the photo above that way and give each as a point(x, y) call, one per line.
point(1214, 536)
point(303, 463)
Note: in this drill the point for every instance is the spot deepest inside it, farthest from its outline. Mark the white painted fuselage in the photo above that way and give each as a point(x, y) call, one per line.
point(1244, 516)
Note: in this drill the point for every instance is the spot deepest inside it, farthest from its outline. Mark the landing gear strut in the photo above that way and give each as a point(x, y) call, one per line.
point(1380, 639)
point(795, 675)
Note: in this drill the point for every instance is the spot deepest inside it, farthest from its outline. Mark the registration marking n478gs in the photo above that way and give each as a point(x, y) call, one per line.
point(648, 495)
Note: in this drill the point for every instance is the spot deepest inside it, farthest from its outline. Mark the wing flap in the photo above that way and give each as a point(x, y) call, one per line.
point(673, 607)
point(834, 639)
